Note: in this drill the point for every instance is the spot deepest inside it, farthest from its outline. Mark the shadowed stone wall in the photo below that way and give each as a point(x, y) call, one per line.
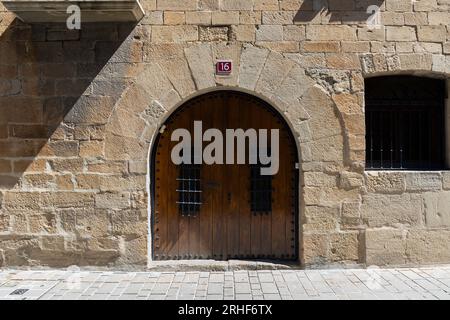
point(79, 111)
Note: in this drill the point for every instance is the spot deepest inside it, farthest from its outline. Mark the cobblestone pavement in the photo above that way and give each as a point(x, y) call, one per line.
point(402, 283)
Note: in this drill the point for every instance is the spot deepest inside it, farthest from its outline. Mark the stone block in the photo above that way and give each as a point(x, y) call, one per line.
point(446, 180)
point(265, 5)
point(252, 62)
point(278, 17)
point(274, 72)
point(378, 210)
point(269, 33)
point(208, 34)
point(91, 149)
point(224, 18)
point(385, 182)
point(176, 5)
point(428, 246)
point(244, 33)
point(315, 248)
point(432, 33)
point(438, 18)
point(319, 179)
point(437, 209)
point(198, 18)
point(385, 246)
point(320, 46)
point(330, 33)
point(250, 17)
point(112, 201)
point(423, 181)
point(416, 61)
point(174, 18)
point(350, 180)
point(200, 61)
point(67, 199)
point(21, 200)
point(346, 61)
point(174, 34)
point(319, 219)
point(351, 210)
point(344, 246)
point(5, 166)
point(236, 5)
point(400, 33)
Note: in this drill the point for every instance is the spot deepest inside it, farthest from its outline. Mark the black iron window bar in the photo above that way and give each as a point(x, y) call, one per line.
point(404, 135)
point(260, 191)
point(189, 189)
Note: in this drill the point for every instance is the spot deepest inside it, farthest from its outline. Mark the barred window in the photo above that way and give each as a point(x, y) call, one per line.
point(405, 123)
point(260, 189)
point(189, 188)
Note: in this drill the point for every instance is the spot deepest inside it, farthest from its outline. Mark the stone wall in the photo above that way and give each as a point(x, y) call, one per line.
point(79, 111)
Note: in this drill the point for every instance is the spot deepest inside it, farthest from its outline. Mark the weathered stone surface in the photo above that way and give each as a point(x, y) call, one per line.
point(378, 210)
point(200, 61)
point(423, 181)
point(214, 33)
point(437, 209)
point(344, 246)
point(351, 209)
point(269, 33)
point(446, 180)
point(227, 51)
point(385, 246)
point(252, 62)
point(167, 34)
point(319, 179)
point(350, 180)
point(112, 200)
point(315, 248)
point(385, 182)
point(420, 242)
point(320, 219)
point(79, 111)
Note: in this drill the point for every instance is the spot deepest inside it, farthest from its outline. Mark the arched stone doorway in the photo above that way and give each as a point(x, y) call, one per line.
point(224, 211)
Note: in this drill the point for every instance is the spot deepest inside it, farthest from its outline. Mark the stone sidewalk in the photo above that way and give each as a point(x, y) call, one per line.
point(337, 284)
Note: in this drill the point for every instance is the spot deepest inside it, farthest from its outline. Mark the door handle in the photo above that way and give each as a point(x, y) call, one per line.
point(229, 197)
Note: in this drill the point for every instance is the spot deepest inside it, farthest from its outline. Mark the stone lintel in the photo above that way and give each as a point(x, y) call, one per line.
point(55, 11)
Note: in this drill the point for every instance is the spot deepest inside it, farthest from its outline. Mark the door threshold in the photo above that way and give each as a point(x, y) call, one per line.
point(215, 265)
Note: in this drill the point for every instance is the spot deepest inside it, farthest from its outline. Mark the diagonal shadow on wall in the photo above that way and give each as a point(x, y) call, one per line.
point(336, 11)
point(51, 80)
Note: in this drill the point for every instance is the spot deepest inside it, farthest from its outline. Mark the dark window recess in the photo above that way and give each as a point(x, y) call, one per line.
point(189, 189)
point(260, 191)
point(405, 123)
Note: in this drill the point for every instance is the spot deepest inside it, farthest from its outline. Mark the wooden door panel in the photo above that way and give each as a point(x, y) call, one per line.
point(209, 116)
point(231, 192)
point(225, 227)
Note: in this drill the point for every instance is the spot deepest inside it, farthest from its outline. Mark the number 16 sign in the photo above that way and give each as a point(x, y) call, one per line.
point(224, 67)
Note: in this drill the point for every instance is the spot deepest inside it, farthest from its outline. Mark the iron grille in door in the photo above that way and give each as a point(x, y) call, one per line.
point(260, 191)
point(405, 123)
point(189, 188)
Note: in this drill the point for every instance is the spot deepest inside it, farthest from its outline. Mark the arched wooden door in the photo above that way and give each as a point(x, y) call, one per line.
point(224, 211)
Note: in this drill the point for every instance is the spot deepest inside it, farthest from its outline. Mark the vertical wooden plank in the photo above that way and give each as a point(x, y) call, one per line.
point(173, 215)
point(231, 193)
point(256, 115)
point(266, 219)
point(206, 215)
point(217, 181)
point(280, 195)
point(194, 221)
point(161, 211)
point(290, 207)
point(245, 215)
point(184, 122)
